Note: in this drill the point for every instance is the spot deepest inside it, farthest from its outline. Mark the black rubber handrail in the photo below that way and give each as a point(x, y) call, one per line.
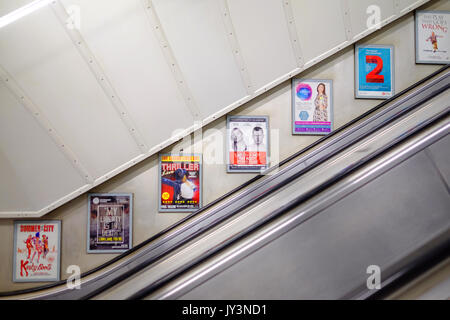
point(228, 194)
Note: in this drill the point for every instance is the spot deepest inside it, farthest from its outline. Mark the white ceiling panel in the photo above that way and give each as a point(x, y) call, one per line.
point(197, 36)
point(8, 6)
point(30, 161)
point(56, 78)
point(121, 38)
point(262, 33)
point(363, 10)
point(320, 26)
point(96, 100)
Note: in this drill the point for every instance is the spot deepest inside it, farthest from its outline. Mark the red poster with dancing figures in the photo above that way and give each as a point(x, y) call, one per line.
point(37, 251)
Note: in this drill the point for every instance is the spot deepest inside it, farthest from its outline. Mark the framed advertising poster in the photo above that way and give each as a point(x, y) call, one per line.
point(109, 222)
point(248, 143)
point(432, 37)
point(374, 71)
point(37, 251)
point(180, 182)
point(312, 106)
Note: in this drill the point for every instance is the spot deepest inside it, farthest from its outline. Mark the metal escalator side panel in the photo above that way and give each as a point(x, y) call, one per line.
point(200, 222)
point(209, 268)
point(339, 165)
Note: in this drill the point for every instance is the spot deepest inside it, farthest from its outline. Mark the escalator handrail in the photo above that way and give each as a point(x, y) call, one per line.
point(234, 191)
point(269, 190)
point(142, 293)
point(388, 118)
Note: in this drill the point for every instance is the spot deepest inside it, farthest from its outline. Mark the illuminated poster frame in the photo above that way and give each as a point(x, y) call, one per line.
point(122, 240)
point(312, 114)
point(248, 154)
point(374, 71)
point(41, 237)
point(183, 180)
point(432, 43)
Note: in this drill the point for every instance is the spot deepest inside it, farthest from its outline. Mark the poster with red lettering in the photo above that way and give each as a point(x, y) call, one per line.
point(248, 143)
point(37, 251)
point(180, 182)
point(432, 37)
point(374, 71)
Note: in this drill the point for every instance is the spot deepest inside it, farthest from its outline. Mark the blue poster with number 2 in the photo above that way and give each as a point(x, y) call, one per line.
point(374, 71)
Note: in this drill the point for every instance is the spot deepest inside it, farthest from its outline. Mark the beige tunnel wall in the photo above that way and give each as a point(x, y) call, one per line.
point(142, 179)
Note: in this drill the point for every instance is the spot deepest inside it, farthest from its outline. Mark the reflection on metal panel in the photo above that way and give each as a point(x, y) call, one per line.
point(440, 155)
point(375, 225)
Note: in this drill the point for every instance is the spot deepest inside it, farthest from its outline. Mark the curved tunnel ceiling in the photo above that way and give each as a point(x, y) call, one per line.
point(90, 88)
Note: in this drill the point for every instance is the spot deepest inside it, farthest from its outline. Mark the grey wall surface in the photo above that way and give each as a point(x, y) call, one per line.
point(142, 179)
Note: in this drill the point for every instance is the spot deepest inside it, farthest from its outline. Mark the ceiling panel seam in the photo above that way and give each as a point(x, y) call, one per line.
point(157, 30)
point(46, 209)
point(235, 47)
point(293, 35)
point(102, 79)
point(412, 6)
point(43, 122)
point(347, 21)
point(60, 201)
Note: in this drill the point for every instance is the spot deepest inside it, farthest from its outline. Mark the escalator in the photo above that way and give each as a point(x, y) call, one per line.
point(373, 192)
